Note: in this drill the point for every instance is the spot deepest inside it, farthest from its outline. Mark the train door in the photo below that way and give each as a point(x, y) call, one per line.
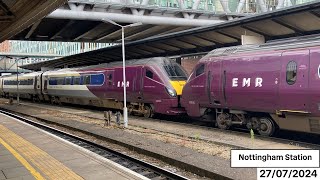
point(149, 85)
point(109, 83)
point(314, 79)
point(110, 79)
point(137, 83)
point(294, 81)
point(37, 84)
point(45, 84)
point(199, 84)
point(213, 83)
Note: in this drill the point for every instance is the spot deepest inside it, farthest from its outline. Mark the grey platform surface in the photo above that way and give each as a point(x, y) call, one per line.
point(50, 151)
point(11, 168)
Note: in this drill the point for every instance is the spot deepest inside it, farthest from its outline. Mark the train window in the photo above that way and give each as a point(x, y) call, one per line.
point(175, 72)
point(97, 79)
point(149, 74)
point(291, 72)
point(53, 81)
point(60, 81)
point(68, 81)
point(76, 80)
point(200, 70)
point(86, 79)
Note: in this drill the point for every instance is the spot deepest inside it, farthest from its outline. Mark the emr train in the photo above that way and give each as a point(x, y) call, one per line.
point(153, 85)
point(264, 87)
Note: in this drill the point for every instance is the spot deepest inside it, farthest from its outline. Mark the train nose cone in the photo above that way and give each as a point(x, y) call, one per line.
point(178, 86)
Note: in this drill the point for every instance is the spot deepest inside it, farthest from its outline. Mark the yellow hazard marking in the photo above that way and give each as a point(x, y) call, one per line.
point(49, 167)
point(25, 163)
point(178, 86)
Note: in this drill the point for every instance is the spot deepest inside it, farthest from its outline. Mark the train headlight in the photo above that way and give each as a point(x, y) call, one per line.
point(171, 92)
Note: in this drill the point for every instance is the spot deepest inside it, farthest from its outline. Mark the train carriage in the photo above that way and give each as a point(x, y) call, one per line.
point(153, 85)
point(263, 87)
point(27, 85)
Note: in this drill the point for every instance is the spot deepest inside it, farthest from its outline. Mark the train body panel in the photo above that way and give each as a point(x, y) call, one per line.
point(145, 84)
point(251, 87)
point(60, 84)
point(257, 83)
point(27, 87)
point(278, 84)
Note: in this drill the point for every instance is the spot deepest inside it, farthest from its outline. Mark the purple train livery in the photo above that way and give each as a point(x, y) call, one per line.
point(153, 85)
point(262, 87)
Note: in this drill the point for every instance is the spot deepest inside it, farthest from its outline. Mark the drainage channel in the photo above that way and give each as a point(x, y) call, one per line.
point(146, 169)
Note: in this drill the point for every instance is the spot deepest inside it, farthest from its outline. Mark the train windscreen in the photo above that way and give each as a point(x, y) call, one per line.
point(175, 72)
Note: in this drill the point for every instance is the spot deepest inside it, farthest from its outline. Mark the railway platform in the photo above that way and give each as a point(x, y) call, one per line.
point(189, 147)
point(27, 152)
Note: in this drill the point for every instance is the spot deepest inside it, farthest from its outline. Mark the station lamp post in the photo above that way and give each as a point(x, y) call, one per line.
point(125, 110)
point(17, 61)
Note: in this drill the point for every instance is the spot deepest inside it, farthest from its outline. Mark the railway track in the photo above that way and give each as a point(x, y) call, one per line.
point(285, 137)
point(146, 169)
point(186, 166)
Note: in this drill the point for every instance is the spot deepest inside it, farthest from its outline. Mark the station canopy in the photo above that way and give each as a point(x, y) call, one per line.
point(17, 15)
point(283, 23)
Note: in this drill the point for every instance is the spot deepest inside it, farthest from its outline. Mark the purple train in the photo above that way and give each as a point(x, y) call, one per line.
point(153, 86)
point(264, 87)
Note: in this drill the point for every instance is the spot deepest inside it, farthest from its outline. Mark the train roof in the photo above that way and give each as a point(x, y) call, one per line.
point(146, 61)
point(32, 74)
point(290, 43)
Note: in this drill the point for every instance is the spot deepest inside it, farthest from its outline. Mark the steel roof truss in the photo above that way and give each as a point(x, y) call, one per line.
point(165, 47)
point(86, 33)
point(150, 48)
point(5, 8)
point(255, 31)
point(229, 35)
point(65, 27)
point(282, 23)
point(139, 51)
point(210, 40)
point(172, 45)
point(315, 13)
point(187, 42)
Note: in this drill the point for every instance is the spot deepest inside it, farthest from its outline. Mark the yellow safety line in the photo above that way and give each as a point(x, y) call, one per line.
point(34, 173)
point(46, 164)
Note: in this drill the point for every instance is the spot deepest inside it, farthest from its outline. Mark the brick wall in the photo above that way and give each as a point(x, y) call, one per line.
point(188, 63)
point(5, 46)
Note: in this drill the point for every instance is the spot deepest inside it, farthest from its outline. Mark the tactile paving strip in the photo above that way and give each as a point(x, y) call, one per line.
point(47, 166)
